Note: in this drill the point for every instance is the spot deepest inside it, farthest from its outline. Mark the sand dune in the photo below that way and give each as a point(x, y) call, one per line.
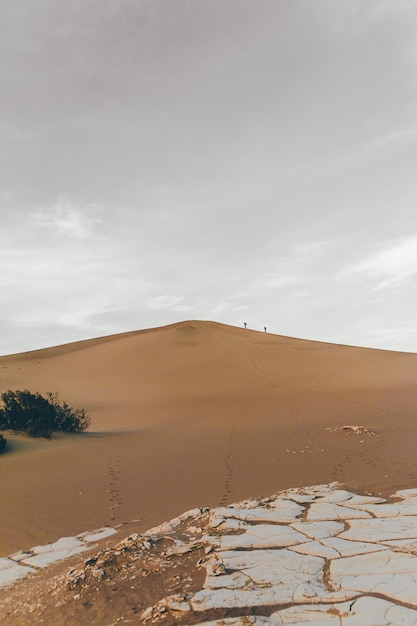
point(199, 413)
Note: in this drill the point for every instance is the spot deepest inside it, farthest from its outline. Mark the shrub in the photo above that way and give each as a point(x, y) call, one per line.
point(26, 411)
point(67, 418)
point(3, 443)
point(39, 416)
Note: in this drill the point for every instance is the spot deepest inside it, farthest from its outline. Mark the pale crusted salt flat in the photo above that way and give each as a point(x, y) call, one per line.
point(61, 549)
point(407, 494)
point(387, 510)
point(20, 564)
point(365, 611)
point(327, 556)
point(238, 621)
point(329, 511)
point(305, 556)
point(380, 530)
point(319, 530)
point(392, 574)
point(334, 547)
point(91, 536)
point(259, 536)
point(10, 571)
point(277, 511)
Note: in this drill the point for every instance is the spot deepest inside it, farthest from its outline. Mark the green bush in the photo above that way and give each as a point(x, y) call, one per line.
point(3, 443)
point(67, 418)
point(29, 412)
point(39, 416)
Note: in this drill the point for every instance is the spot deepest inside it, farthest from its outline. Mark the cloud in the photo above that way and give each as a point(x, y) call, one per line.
point(72, 269)
point(68, 218)
point(383, 8)
point(164, 302)
point(402, 135)
point(54, 263)
point(389, 265)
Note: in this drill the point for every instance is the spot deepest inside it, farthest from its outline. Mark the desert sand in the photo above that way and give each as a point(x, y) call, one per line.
point(200, 414)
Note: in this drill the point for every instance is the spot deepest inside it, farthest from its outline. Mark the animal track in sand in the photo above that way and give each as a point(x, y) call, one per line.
point(112, 460)
point(229, 465)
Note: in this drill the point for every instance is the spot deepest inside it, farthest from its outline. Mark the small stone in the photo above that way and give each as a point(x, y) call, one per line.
point(98, 572)
point(218, 569)
point(147, 613)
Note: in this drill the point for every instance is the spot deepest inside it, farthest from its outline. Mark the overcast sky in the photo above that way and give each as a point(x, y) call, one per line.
point(231, 160)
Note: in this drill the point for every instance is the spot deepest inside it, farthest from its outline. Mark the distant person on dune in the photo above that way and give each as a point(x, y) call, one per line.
point(265, 328)
point(244, 324)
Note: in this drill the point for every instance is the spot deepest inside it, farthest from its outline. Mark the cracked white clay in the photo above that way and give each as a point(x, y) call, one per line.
point(316, 555)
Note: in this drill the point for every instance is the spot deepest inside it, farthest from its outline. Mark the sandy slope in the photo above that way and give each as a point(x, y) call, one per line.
point(199, 413)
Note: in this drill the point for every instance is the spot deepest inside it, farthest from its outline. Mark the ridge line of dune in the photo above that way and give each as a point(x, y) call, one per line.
point(66, 348)
point(73, 346)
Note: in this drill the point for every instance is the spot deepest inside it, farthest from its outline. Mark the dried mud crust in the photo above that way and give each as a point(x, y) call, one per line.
point(114, 585)
point(353, 430)
point(290, 558)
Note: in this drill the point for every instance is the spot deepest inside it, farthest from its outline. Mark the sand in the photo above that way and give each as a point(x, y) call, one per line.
point(201, 414)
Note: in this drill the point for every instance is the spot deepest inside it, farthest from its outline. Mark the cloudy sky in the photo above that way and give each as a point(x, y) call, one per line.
point(231, 160)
